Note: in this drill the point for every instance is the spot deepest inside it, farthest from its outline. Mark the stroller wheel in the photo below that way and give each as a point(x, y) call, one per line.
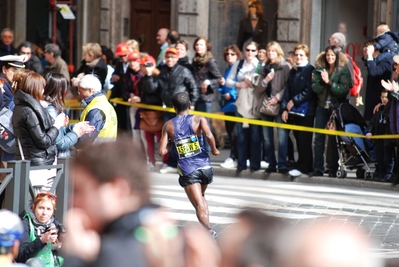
point(360, 173)
point(341, 173)
point(369, 176)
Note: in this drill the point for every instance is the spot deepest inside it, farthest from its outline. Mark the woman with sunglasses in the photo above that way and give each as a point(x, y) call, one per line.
point(271, 88)
point(240, 77)
point(253, 27)
point(228, 97)
point(41, 237)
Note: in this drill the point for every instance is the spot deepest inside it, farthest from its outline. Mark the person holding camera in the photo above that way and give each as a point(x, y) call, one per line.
point(151, 121)
point(131, 93)
point(42, 234)
point(173, 78)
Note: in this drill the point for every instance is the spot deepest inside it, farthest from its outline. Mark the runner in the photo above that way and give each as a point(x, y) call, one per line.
point(184, 131)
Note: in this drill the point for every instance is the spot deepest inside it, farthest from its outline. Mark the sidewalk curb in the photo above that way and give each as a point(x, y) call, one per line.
point(350, 182)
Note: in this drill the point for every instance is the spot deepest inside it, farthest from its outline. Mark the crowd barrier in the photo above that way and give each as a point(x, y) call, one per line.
point(255, 121)
point(19, 191)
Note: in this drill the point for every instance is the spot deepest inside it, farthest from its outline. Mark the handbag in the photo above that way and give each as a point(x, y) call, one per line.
point(151, 121)
point(300, 110)
point(267, 109)
point(7, 137)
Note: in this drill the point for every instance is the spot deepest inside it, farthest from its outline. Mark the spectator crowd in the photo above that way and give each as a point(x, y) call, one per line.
point(260, 82)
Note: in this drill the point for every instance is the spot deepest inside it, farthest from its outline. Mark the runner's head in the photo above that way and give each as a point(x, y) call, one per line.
point(181, 101)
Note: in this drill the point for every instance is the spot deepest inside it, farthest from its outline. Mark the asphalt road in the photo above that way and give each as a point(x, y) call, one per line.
point(374, 209)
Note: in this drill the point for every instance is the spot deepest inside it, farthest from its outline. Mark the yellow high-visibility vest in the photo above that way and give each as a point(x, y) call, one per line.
point(110, 129)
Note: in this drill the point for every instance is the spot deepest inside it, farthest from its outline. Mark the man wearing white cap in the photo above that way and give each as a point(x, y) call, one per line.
point(9, 65)
point(98, 112)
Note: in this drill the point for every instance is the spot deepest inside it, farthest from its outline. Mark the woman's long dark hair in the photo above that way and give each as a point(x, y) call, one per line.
point(56, 86)
point(336, 51)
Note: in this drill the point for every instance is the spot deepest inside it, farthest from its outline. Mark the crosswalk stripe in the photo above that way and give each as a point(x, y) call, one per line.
point(375, 210)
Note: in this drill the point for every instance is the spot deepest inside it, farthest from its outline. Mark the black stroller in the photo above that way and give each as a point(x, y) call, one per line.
point(354, 153)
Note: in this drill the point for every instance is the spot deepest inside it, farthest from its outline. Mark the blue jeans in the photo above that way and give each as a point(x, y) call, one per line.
point(354, 128)
point(322, 117)
point(362, 143)
point(248, 139)
point(205, 107)
point(172, 160)
point(268, 135)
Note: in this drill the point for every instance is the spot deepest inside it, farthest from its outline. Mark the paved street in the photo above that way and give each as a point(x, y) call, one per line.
point(376, 210)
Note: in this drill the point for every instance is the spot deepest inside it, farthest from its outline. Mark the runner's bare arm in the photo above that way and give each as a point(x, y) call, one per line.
point(208, 134)
point(163, 143)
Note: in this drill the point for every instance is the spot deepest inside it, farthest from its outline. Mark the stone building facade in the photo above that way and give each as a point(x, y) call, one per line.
point(290, 21)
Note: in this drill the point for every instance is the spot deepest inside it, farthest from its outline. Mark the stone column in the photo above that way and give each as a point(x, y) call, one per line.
point(192, 20)
point(17, 20)
point(20, 19)
point(119, 27)
point(289, 28)
point(105, 24)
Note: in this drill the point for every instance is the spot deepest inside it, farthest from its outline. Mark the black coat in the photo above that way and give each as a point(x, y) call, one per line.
point(29, 249)
point(149, 95)
point(128, 84)
point(185, 63)
point(4, 51)
point(245, 32)
point(34, 64)
point(119, 247)
point(209, 71)
point(171, 81)
point(378, 69)
point(100, 70)
point(33, 125)
point(299, 89)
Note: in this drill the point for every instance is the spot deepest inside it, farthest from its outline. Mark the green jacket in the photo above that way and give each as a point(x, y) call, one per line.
point(340, 81)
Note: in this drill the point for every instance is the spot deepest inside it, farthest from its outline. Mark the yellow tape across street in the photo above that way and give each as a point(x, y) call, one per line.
point(253, 121)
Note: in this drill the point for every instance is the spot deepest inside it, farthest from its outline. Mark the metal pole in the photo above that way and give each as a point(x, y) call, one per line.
point(63, 192)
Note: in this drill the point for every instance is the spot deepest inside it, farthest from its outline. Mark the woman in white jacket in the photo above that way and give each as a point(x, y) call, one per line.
point(241, 77)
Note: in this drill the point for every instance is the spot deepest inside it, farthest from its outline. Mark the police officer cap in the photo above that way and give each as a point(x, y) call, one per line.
point(15, 61)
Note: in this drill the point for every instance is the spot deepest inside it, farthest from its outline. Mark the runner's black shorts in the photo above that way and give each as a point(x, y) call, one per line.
point(202, 176)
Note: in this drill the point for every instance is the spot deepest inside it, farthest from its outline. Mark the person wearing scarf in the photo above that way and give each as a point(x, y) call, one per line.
point(91, 64)
point(42, 232)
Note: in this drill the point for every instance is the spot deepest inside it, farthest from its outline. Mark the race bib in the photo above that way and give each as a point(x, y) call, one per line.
point(188, 147)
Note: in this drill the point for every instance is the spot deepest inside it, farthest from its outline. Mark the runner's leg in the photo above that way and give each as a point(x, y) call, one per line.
point(195, 195)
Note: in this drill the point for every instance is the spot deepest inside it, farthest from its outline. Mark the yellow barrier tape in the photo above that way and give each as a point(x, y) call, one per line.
point(255, 121)
point(73, 104)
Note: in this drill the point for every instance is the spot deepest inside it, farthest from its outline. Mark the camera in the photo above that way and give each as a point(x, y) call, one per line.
point(148, 64)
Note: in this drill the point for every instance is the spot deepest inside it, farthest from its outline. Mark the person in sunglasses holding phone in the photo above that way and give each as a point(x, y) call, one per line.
point(42, 232)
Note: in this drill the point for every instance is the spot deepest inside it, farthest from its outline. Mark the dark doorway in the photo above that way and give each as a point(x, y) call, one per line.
point(38, 30)
point(147, 16)
point(3, 11)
